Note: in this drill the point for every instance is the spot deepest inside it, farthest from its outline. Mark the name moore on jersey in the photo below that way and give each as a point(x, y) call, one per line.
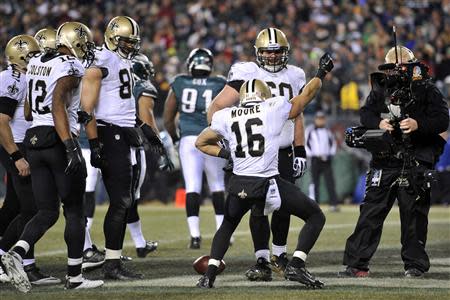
point(286, 83)
point(13, 85)
point(193, 96)
point(116, 104)
point(252, 132)
point(42, 75)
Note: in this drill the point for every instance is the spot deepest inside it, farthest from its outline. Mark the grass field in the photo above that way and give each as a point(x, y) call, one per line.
point(169, 274)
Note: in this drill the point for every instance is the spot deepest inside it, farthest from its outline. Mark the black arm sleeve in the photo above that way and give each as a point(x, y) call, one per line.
point(8, 106)
point(236, 84)
point(370, 113)
point(435, 118)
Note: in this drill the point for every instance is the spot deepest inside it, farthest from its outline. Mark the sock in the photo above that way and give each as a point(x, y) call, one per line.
point(298, 259)
point(89, 222)
point(29, 261)
point(21, 248)
point(264, 253)
point(74, 266)
point(194, 226)
point(87, 240)
point(136, 234)
point(219, 220)
point(278, 250)
point(112, 254)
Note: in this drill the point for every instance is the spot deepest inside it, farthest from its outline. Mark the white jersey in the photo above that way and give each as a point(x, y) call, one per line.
point(43, 72)
point(116, 104)
point(13, 85)
point(253, 133)
point(286, 83)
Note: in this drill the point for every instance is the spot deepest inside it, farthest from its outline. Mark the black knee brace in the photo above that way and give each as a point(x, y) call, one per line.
point(192, 204)
point(218, 200)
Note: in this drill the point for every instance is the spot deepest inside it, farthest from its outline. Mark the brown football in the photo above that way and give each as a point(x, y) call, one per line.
point(200, 265)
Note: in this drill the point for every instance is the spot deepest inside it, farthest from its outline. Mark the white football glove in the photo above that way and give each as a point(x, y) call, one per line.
point(299, 166)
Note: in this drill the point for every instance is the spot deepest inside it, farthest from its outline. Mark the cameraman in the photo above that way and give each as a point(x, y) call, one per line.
point(417, 114)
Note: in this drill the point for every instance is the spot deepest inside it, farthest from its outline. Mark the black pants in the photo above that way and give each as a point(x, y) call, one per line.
point(293, 202)
point(319, 167)
point(50, 186)
point(280, 220)
point(11, 207)
point(21, 188)
point(378, 201)
point(118, 179)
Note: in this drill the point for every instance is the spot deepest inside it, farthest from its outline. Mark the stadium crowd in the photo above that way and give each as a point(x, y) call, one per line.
point(357, 32)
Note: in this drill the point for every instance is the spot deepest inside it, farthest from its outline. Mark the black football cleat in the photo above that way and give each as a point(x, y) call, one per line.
point(261, 271)
point(37, 278)
point(303, 276)
point(413, 273)
point(195, 242)
point(149, 247)
point(114, 269)
point(205, 283)
point(92, 258)
point(279, 263)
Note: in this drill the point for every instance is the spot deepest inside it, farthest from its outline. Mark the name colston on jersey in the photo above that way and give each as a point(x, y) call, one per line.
point(245, 111)
point(39, 70)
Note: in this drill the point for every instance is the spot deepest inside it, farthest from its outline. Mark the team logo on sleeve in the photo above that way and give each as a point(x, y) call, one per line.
point(13, 89)
point(72, 70)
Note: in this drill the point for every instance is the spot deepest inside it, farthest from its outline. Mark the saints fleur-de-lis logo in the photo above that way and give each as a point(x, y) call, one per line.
point(41, 38)
point(21, 44)
point(114, 25)
point(33, 140)
point(242, 194)
point(12, 89)
point(72, 70)
point(81, 32)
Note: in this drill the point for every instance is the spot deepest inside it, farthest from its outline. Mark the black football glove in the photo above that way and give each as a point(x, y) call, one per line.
point(229, 165)
point(325, 66)
point(156, 145)
point(97, 159)
point(165, 163)
point(75, 161)
point(83, 117)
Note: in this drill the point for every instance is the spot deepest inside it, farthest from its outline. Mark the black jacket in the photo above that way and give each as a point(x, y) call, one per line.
point(429, 110)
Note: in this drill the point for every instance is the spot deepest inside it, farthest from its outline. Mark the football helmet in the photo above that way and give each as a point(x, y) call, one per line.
point(275, 42)
point(78, 38)
point(253, 91)
point(404, 56)
point(200, 62)
point(19, 50)
point(123, 36)
point(46, 38)
point(143, 67)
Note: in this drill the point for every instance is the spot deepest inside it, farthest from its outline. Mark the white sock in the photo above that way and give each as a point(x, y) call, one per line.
point(278, 250)
point(28, 261)
point(77, 278)
point(136, 234)
point(300, 254)
point(219, 220)
point(87, 239)
point(265, 253)
point(112, 254)
point(23, 244)
point(2, 252)
point(74, 261)
point(194, 226)
point(89, 223)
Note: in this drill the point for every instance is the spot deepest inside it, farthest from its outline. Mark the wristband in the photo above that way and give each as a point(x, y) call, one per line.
point(15, 156)
point(224, 153)
point(299, 151)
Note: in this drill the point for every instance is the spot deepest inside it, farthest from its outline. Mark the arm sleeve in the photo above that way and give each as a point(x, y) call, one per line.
point(435, 118)
point(8, 106)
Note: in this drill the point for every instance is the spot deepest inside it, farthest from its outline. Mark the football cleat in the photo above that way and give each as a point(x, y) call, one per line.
point(260, 271)
point(353, 272)
point(413, 273)
point(279, 263)
point(195, 242)
point(205, 283)
point(83, 284)
point(37, 278)
point(149, 247)
point(114, 269)
point(92, 258)
point(126, 258)
point(3, 275)
point(13, 265)
point(303, 276)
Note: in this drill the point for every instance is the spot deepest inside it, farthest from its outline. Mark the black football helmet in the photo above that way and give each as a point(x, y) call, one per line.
point(200, 62)
point(143, 67)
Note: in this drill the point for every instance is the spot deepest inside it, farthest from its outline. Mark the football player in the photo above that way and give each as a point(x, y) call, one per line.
point(46, 37)
point(58, 170)
point(272, 53)
point(13, 90)
point(110, 117)
point(252, 130)
point(190, 96)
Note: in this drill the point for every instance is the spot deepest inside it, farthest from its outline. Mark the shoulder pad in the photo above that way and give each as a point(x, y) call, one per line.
point(242, 71)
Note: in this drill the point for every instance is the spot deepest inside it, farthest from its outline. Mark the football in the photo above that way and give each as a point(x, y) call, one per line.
point(200, 265)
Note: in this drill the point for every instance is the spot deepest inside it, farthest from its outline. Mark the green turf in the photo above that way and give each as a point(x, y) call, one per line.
point(169, 274)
